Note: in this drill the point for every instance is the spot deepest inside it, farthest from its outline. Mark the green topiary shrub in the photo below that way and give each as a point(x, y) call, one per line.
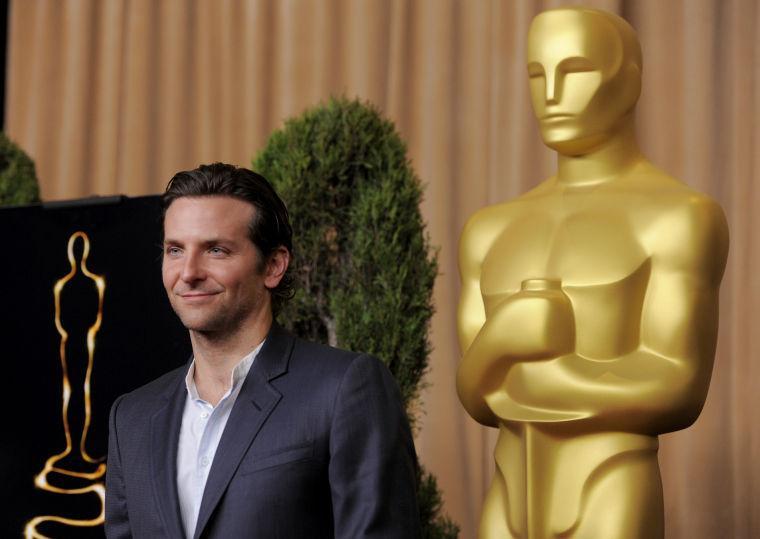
point(362, 260)
point(18, 181)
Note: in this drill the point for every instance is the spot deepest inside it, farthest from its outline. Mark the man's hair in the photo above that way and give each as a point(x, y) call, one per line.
point(270, 227)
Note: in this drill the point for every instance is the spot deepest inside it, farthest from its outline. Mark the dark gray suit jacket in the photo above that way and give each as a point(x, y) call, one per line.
point(317, 445)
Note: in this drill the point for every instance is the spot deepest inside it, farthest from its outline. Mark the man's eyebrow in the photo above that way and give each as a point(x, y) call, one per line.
point(217, 241)
point(205, 243)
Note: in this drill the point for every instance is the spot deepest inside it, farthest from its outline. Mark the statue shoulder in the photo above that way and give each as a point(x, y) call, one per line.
point(478, 234)
point(485, 225)
point(677, 205)
point(490, 221)
point(691, 233)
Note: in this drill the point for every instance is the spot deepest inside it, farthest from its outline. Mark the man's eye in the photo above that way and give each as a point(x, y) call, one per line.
point(172, 251)
point(217, 251)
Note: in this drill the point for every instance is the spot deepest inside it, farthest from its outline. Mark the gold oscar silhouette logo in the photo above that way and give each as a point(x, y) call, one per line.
point(73, 471)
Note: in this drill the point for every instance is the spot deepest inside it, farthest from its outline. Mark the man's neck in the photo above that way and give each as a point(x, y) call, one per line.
point(216, 356)
point(604, 163)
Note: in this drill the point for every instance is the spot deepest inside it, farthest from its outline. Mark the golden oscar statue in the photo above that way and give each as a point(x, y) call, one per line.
point(589, 309)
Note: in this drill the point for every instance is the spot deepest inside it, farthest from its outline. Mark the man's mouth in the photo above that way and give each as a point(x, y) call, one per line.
point(197, 296)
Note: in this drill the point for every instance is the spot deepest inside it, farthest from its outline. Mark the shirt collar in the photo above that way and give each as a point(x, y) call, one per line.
point(239, 372)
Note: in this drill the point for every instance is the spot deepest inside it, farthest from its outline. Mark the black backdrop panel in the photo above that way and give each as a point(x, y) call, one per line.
point(139, 338)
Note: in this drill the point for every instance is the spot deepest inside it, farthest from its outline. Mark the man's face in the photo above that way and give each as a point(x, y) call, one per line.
point(212, 272)
point(579, 85)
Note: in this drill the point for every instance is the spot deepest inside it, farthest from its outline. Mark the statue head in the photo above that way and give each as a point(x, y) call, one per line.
point(584, 67)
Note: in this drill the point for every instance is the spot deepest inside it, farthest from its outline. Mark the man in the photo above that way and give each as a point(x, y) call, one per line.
point(262, 434)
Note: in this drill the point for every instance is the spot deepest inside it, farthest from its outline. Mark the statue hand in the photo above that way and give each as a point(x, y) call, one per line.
point(535, 323)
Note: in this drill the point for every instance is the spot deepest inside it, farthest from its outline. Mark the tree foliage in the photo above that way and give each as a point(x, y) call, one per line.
point(18, 181)
point(363, 262)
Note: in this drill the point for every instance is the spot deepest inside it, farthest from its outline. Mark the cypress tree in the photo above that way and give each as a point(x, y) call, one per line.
point(363, 263)
point(18, 181)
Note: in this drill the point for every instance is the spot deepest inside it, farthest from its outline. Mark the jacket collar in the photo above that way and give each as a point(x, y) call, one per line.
point(255, 402)
point(275, 354)
point(164, 438)
point(253, 406)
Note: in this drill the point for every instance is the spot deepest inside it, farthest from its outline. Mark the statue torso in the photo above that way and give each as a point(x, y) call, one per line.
point(598, 241)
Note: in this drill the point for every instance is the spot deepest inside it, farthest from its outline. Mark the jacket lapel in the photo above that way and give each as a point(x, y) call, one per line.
point(255, 402)
point(165, 426)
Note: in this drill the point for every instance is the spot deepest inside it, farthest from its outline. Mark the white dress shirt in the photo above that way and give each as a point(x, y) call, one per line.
point(199, 435)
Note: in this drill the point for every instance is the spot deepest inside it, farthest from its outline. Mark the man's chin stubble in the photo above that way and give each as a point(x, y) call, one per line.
point(213, 329)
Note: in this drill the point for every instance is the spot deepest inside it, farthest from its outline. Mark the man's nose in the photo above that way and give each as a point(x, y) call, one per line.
point(192, 269)
point(553, 86)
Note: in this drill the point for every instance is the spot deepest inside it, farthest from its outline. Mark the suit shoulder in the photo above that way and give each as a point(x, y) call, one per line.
point(333, 362)
point(153, 390)
point(327, 357)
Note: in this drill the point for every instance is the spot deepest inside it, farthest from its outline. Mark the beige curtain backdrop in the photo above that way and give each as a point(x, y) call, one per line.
point(114, 96)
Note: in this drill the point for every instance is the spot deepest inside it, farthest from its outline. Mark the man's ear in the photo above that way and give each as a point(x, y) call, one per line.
point(276, 265)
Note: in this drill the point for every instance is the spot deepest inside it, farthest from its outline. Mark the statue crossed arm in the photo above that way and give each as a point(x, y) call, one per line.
point(521, 359)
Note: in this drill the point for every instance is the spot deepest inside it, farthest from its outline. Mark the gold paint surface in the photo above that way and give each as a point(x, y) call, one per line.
point(73, 462)
point(588, 314)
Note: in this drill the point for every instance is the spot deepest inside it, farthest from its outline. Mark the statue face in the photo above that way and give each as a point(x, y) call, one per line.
point(581, 85)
